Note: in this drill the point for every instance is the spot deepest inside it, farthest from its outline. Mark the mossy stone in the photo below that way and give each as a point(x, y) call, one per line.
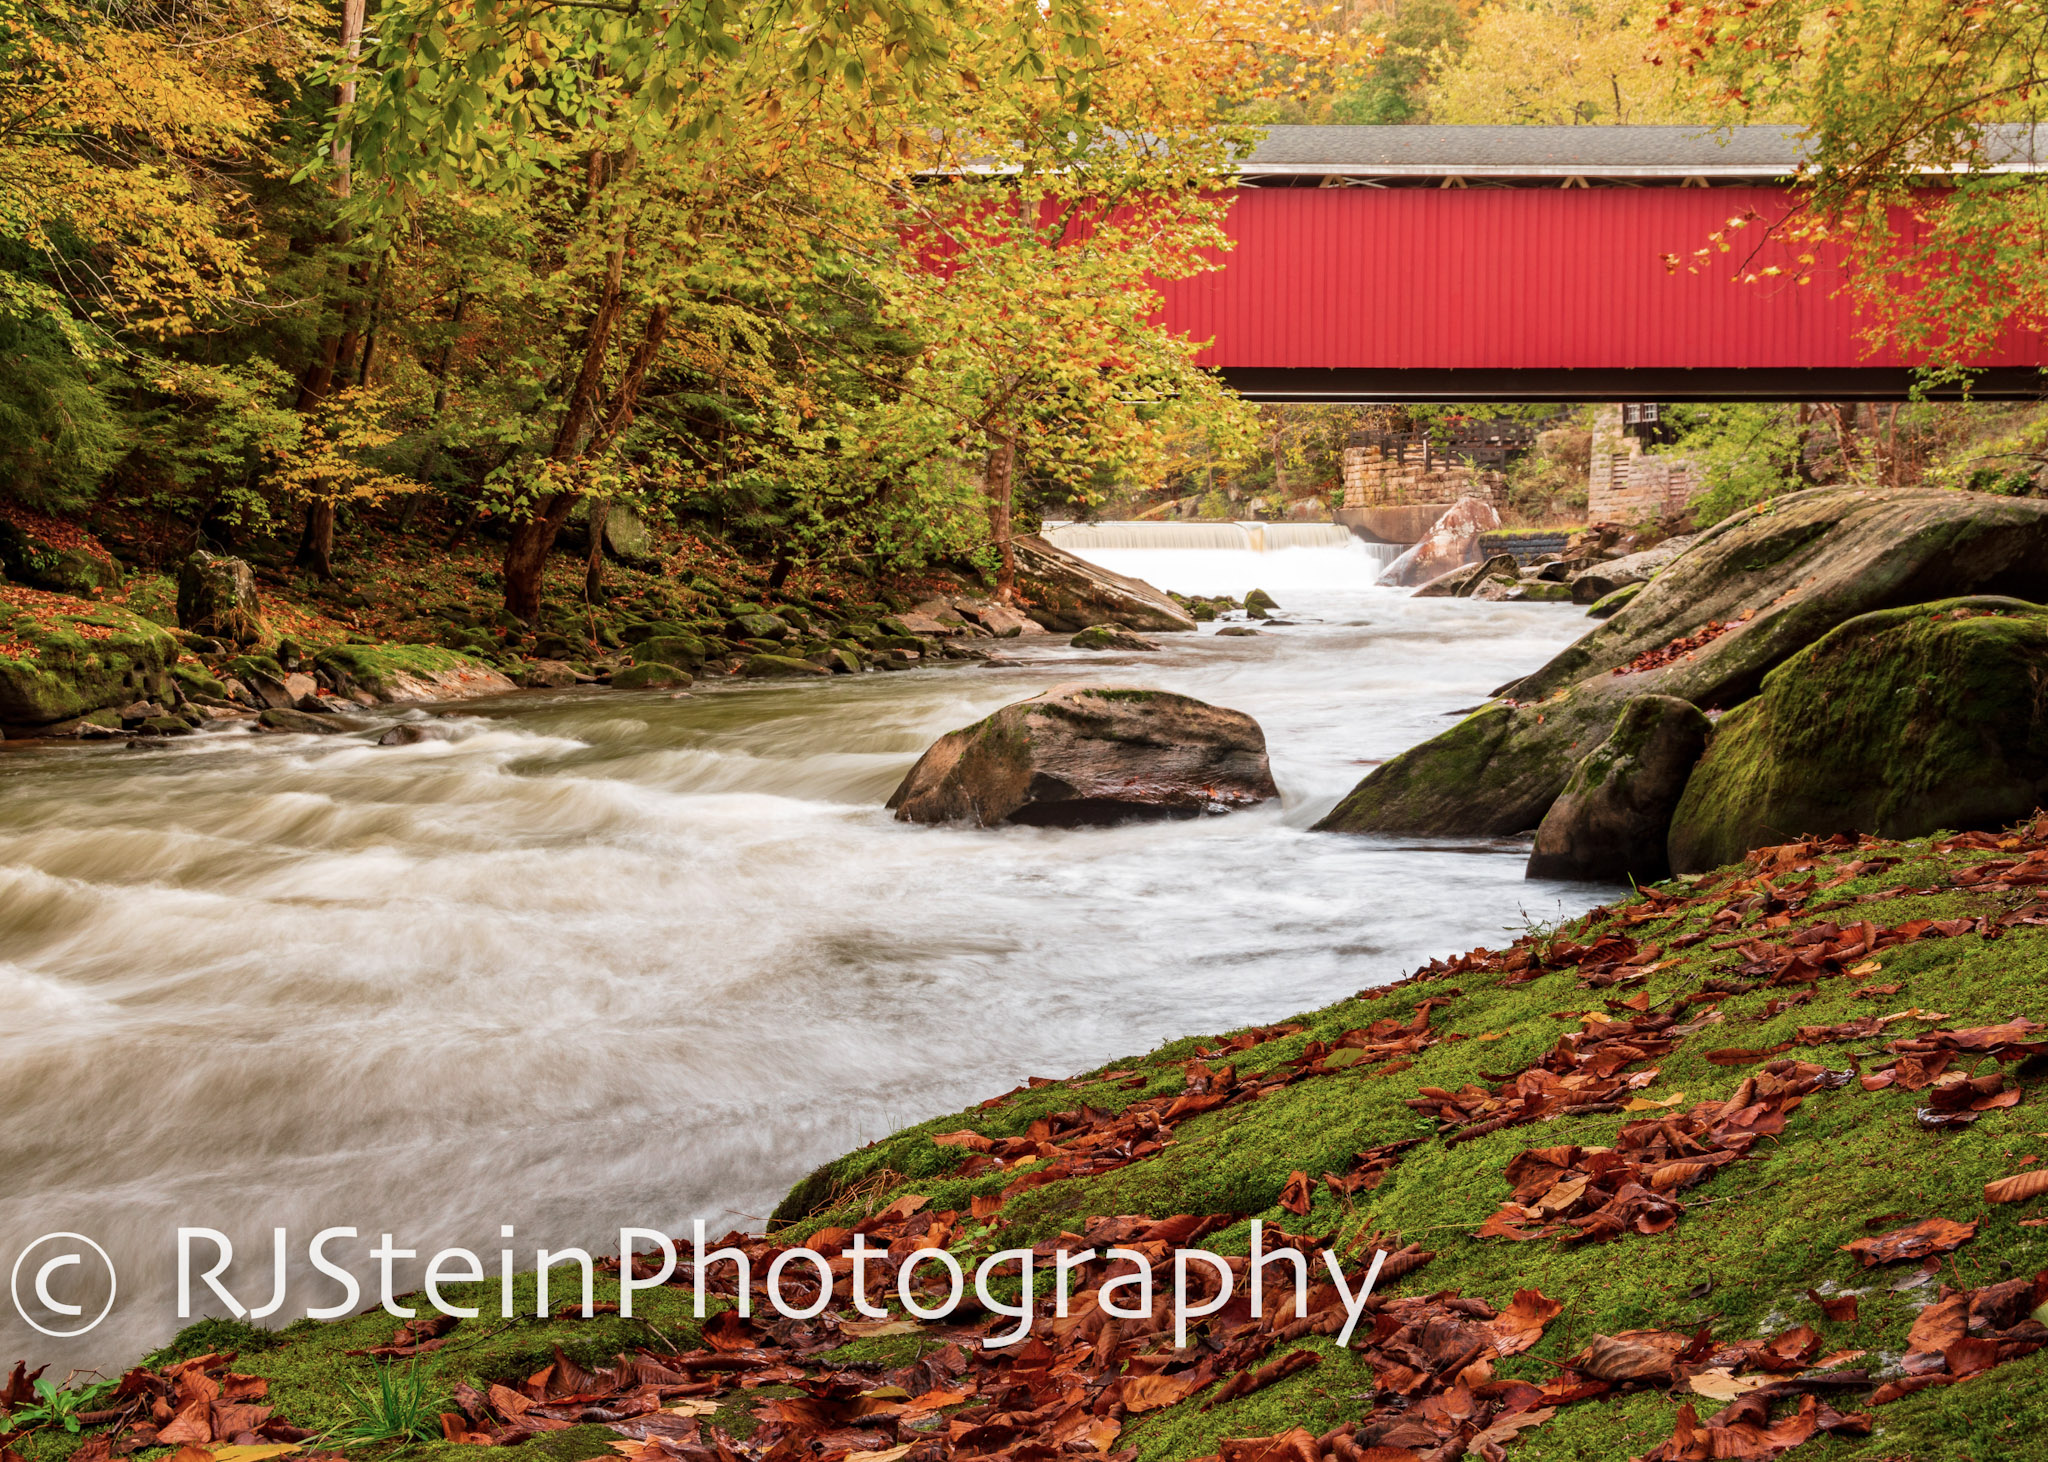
point(1607, 605)
point(61, 665)
point(686, 650)
point(650, 675)
point(1897, 723)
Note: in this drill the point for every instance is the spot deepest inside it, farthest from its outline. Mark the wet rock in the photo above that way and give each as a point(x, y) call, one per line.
point(999, 620)
point(1613, 818)
point(98, 725)
point(1082, 754)
point(841, 662)
point(1066, 593)
point(1540, 591)
point(1110, 637)
point(1592, 584)
point(165, 726)
point(1459, 582)
point(686, 650)
point(1237, 631)
point(760, 627)
point(548, 675)
point(1451, 541)
point(412, 733)
point(270, 691)
point(650, 676)
point(136, 712)
point(1259, 599)
point(1751, 592)
point(770, 666)
point(1897, 723)
point(302, 722)
point(217, 598)
point(1610, 605)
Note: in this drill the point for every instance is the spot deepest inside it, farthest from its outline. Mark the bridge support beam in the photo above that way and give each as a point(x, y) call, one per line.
point(1364, 385)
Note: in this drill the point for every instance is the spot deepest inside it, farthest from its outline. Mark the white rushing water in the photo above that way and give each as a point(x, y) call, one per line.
point(609, 958)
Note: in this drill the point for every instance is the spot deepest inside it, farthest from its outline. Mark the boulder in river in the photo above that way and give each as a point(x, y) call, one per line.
point(1078, 755)
point(1897, 723)
point(1451, 541)
point(772, 666)
point(217, 597)
point(1066, 593)
point(1751, 591)
point(1613, 817)
point(1460, 582)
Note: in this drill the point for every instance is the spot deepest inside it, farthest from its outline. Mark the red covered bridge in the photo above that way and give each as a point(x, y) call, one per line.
point(1528, 263)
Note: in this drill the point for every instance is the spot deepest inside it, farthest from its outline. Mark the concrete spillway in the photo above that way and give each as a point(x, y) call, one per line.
point(1240, 537)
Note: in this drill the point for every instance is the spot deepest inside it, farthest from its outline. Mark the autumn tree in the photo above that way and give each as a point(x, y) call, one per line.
point(1559, 63)
point(1919, 120)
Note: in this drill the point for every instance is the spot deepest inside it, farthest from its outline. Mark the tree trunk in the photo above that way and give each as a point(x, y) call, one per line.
point(1001, 483)
point(593, 566)
point(316, 543)
point(526, 554)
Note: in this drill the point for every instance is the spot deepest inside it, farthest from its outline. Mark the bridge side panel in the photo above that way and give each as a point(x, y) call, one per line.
point(1518, 279)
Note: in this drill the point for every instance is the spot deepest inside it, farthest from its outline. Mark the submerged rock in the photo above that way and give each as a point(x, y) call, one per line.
point(1110, 637)
point(1066, 593)
point(302, 722)
point(1614, 815)
point(1082, 754)
point(1752, 591)
point(1897, 723)
point(217, 597)
point(1452, 540)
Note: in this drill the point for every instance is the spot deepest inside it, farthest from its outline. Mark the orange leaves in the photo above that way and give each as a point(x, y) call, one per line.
point(2017, 1188)
point(1296, 1196)
point(1915, 1241)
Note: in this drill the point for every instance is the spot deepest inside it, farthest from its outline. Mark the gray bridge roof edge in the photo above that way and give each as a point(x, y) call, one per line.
point(1590, 151)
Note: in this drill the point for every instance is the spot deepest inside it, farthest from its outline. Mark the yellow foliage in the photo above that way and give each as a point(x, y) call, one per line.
point(1563, 63)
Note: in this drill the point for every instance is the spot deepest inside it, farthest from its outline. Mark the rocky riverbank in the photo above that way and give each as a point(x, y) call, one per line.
point(164, 655)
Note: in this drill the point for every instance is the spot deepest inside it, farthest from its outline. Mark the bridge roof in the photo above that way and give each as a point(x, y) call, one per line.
point(1396, 153)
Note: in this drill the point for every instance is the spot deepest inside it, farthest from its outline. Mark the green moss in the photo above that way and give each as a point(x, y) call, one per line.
point(377, 667)
point(65, 658)
point(1895, 723)
point(1752, 1240)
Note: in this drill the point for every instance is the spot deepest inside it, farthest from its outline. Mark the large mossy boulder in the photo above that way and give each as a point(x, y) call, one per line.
point(1080, 755)
point(1897, 723)
point(1613, 818)
point(1067, 594)
point(1749, 593)
point(217, 598)
point(61, 659)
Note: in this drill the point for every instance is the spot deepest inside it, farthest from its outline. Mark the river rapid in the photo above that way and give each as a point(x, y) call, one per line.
point(608, 958)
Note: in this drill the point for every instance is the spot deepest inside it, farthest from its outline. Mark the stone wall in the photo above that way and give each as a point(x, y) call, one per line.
point(1372, 479)
point(1625, 485)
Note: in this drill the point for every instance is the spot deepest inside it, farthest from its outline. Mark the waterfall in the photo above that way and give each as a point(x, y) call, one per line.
point(1242, 537)
point(1230, 558)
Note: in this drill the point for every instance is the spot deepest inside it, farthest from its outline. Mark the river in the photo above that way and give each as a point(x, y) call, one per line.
point(606, 958)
